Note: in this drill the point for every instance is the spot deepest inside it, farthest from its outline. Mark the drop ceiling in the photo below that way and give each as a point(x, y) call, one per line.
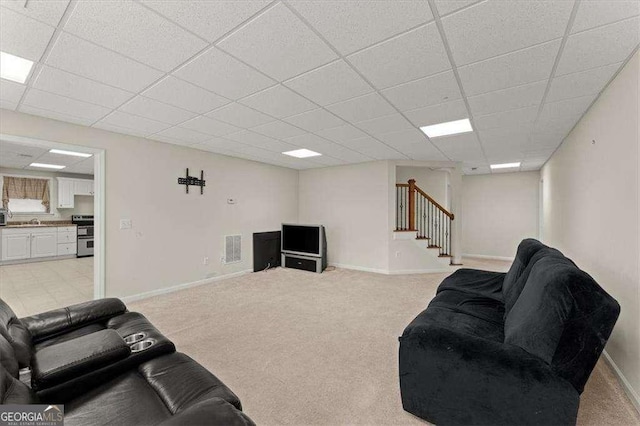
point(353, 80)
point(18, 156)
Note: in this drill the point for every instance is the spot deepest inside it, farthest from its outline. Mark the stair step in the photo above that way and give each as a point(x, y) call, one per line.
point(423, 238)
point(405, 230)
point(433, 247)
point(445, 255)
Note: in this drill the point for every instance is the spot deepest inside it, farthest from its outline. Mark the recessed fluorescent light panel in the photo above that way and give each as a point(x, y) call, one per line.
point(47, 166)
point(302, 153)
point(505, 166)
point(448, 128)
point(14, 68)
point(72, 153)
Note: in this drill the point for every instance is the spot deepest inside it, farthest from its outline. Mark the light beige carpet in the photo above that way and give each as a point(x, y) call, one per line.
point(321, 349)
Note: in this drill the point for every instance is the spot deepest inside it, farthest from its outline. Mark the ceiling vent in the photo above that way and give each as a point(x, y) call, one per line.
point(233, 248)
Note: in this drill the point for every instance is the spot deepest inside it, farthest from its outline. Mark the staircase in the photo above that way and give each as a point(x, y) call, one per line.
point(423, 219)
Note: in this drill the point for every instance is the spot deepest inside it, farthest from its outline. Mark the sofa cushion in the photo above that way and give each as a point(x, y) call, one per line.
point(526, 249)
point(472, 281)
point(12, 329)
point(461, 313)
point(79, 332)
point(562, 316)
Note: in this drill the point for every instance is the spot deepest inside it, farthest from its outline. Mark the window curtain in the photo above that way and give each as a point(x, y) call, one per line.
point(25, 188)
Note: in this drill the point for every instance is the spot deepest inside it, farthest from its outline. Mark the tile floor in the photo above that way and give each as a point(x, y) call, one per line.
point(30, 288)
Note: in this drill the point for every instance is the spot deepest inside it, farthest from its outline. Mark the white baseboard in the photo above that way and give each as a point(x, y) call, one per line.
point(360, 268)
point(482, 256)
point(631, 393)
point(388, 272)
point(183, 286)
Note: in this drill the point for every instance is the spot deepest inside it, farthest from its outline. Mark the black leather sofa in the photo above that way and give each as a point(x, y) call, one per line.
point(108, 366)
point(509, 349)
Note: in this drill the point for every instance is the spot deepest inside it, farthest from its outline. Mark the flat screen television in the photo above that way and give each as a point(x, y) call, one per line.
point(303, 239)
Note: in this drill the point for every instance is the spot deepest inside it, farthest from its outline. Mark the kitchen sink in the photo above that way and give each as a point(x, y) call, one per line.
point(28, 225)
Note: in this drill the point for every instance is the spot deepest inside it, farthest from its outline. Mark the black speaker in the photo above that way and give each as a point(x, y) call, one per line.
point(266, 250)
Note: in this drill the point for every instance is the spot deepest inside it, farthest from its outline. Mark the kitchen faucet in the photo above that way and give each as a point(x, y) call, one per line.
point(35, 220)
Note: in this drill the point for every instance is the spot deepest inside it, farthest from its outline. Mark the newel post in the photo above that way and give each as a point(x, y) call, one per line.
point(412, 204)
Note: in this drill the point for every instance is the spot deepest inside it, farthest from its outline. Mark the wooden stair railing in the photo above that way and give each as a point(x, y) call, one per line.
point(418, 212)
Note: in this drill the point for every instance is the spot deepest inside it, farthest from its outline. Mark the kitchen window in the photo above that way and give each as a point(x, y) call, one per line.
point(25, 194)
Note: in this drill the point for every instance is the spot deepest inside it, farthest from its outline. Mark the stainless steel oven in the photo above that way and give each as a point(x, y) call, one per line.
point(85, 235)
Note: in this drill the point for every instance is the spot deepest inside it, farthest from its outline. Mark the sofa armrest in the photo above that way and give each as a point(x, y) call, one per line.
point(76, 357)
point(213, 411)
point(449, 377)
point(474, 281)
point(57, 321)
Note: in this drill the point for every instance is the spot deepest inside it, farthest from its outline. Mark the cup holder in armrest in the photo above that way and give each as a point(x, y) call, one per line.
point(142, 345)
point(134, 338)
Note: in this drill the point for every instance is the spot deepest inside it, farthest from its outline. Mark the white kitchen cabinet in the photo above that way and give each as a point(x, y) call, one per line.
point(83, 187)
point(66, 192)
point(16, 246)
point(68, 188)
point(44, 244)
point(65, 249)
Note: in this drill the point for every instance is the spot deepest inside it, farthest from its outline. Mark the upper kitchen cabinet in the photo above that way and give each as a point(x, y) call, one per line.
point(68, 188)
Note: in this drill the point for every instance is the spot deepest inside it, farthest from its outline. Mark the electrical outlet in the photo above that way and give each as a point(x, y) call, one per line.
point(205, 261)
point(125, 224)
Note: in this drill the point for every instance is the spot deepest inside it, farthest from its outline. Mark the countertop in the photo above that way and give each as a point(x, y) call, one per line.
point(43, 224)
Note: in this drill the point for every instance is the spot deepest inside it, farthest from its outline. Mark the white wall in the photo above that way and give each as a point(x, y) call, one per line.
point(83, 203)
point(352, 202)
point(500, 210)
point(433, 182)
point(172, 231)
point(591, 210)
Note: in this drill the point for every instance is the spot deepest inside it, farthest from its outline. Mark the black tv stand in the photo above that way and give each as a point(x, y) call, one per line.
point(305, 263)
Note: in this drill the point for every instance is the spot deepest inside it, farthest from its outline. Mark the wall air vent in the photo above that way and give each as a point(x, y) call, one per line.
point(233, 248)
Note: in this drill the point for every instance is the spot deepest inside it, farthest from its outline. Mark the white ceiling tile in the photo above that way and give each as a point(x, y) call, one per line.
point(342, 134)
point(133, 30)
point(181, 134)
point(63, 83)
point(33, 151)
point(565, 108)
point(174, 91)
point(464, 147)
point(582, 83)
point(278, 44)
point(505, 140)
point(439, 113)
point(386, 124)
point(513, 69)
point(83, 58)
point(352, 25)
point(278, 101)
point(474, 169)
point(600, 46)
point(8, 105)
point(48, 12)
point(155, 110)
point(447, 6)
point(512, 118)
point(278, 130)
point(362, 108)
point(216, 71)
point(374, 149)
point(55, 114)
point(346, 154)
point(23, 36)
point(63, 160)
point(495, 27)
point(240, 115)
point(210, 126)
point(221, 144)
point(554, 127)
point(413, 55)
point(403, 137)
point(330, 83)
point(11, 91)
point(14, 160)
point(123, 130)
point(507, 99)
point(261, 141)
point(128, 121)
point(209, 19)
point(315, 120)
point(49, 101)
point(593, 13)
point(427, 91)
point(424, 152)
